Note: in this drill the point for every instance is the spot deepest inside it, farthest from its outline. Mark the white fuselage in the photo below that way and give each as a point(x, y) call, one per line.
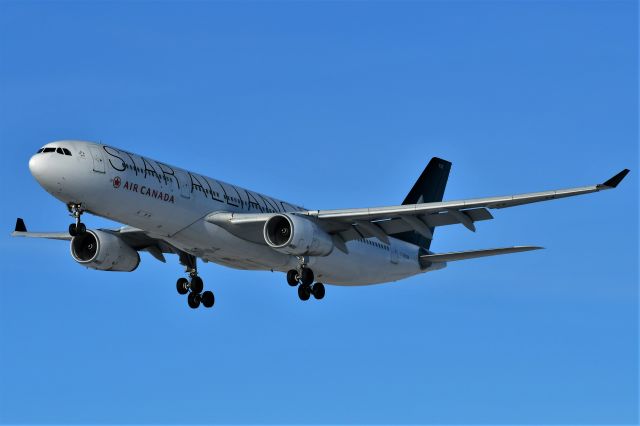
point(171, 203)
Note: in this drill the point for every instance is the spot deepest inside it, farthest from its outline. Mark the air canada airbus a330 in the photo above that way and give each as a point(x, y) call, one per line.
point(166, 209)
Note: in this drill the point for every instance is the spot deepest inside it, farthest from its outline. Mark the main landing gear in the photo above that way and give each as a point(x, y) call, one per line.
point(77, 228)
point(303, 278)
point(194, 285)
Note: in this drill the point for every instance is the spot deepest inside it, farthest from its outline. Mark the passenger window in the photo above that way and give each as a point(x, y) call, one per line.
point(66, 151)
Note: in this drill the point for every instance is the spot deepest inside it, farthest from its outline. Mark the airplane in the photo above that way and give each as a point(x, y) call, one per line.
point(169, 210)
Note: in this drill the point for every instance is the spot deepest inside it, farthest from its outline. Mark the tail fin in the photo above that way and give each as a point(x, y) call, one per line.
point(428, 188)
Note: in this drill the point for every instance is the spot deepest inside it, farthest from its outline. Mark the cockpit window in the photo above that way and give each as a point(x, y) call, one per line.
point(62, 151)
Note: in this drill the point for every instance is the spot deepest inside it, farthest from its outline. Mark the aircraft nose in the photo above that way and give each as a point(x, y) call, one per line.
point(47, 172)
point(38, 168)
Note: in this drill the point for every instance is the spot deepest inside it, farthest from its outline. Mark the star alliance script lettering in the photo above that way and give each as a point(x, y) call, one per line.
point(187, 183)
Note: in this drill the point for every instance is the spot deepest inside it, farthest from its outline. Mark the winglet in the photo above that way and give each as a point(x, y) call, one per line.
point(20, 226)
point(614, 181)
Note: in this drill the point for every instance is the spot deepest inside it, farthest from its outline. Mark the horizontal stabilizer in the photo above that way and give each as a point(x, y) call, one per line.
point(472, 254)
point(21, 231)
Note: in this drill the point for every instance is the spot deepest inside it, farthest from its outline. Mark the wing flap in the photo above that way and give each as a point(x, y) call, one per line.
point(249, 226)
point(354, 229)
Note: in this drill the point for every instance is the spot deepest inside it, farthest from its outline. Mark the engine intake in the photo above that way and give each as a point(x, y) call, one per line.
point(104, 251)
point(295, 235)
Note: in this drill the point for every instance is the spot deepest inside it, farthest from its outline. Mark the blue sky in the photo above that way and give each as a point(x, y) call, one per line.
point(329, 105)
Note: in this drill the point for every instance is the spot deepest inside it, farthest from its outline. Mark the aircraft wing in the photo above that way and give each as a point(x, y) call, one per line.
point(135, 238)
point(378, 213)
point(380, 222)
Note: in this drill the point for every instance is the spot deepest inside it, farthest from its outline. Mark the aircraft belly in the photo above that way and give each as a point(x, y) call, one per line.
point(364, 265)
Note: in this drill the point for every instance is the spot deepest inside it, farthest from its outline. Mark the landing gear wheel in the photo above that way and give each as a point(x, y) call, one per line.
point(196, 285)
point(306, 276)
point(76, 230)
point(182, 286)
point(207, 299)
point(317, 290)
point(292, 278)
point(304, 292)
point(193, 300)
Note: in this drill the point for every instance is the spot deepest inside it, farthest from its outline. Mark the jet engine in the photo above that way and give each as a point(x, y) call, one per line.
point(104, 251)
point(297, 236)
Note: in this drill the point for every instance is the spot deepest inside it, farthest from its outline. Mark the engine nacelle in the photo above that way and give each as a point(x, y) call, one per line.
point(295, 235)
point(103, 251)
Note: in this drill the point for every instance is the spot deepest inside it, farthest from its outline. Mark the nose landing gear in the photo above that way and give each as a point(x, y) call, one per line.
point(77, 228)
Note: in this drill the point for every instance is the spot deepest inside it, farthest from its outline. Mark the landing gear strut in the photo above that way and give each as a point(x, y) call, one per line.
point(195, 285)
point(303, 277)
point(77, 228)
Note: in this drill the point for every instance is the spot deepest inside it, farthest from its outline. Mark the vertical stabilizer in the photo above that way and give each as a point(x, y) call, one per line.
point(429, 188)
